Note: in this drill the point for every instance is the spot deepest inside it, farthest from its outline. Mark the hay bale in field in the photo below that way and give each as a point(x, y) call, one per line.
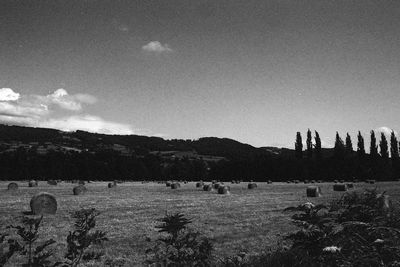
point(43, 203)
point(168, 184)
point(33, 183)
point(81, 182)
point(223, 190)
point(111, 185)
point(252, 185)
point(207, 187)
point(52, 182)
point(175, 186)
point(216, 186)
point(350, 185)
point(79, 190)
point(339, 187)
point(313, 191)
point(199, 184)
point(12, 186)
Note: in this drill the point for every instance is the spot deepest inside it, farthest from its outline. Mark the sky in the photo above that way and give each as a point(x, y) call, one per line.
point(256, 71)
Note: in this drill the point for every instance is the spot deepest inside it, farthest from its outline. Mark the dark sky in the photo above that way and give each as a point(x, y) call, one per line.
point(255, 71)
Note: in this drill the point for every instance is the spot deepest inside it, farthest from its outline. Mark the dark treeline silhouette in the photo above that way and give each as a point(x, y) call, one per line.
point(208, 158)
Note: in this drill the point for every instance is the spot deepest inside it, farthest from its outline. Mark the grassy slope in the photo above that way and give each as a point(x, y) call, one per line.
point(237, 222)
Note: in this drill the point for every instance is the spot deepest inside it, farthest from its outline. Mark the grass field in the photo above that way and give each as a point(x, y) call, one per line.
point(238, 222)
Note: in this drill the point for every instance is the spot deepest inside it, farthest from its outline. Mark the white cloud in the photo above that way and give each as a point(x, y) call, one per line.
point(38, 111)
point(64, 100)
point(156, 46)
point(7, 94)
point(385, 130)
point(87, 123)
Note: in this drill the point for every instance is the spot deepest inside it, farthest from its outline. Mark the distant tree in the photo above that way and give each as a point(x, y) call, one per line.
point(339, 148)
point(383, 145)
point(349, 144)
point(360, 145)
point(394, 148)
point(298, 146)
point(309, 144)
point(373, 147)
point(318, 148)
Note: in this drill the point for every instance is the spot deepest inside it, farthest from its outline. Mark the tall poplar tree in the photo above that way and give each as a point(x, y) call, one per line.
point(318, 148)
point(383, 145)
point(360, 145)
point(394, 147)
point(339, 148)
point(309, 144)
point(298, 146)
point(349, 144)
point(373, 150)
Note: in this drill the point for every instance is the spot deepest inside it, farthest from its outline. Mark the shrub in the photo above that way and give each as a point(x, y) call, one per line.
point(179, 247)
point(81, 241)
point(359, 229)
point(28, 233)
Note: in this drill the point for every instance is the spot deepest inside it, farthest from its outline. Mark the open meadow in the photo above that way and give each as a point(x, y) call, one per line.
point(243, 221)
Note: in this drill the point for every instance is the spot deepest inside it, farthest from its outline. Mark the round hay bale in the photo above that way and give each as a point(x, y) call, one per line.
point(43, 203)
point(199, 184)
point(207, 187)
point(33, 183)
point(167, 184)
point(223, 190)
point(111, 185)
point(52, 182)
point(79, 190)
point(175, 186)
point(313, 191)
point(339, 187)
point(252, 185)
point(12, 186)
point(216, 186)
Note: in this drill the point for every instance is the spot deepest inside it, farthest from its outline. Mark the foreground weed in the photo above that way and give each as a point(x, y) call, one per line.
point(180, 246)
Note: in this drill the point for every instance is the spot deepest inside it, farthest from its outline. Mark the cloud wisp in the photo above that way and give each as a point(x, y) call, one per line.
point(39, 111)
point(156, 47)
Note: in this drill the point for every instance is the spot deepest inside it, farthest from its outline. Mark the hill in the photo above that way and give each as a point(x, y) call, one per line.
point(44, 140)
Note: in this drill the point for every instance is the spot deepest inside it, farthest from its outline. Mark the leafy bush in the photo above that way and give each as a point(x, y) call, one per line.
point(28, 233)
point(82, 239)
point(79, 241)
point(180, 246)
point(359, 229)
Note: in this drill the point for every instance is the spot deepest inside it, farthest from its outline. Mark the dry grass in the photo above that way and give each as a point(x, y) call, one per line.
point(237, 222)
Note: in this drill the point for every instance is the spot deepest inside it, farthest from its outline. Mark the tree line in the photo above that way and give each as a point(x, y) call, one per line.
point(347, 163)
point(313, 162)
